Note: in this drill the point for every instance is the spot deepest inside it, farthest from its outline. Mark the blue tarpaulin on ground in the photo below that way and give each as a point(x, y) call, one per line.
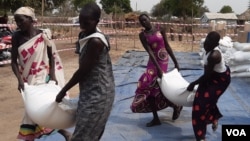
point(123, 125)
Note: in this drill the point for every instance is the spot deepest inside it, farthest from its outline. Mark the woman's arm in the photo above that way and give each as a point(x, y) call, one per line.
point(14, 62)
point(52, 72)
point(213, 59)
point(169, 49)
point(86, 64)
point(151, 54)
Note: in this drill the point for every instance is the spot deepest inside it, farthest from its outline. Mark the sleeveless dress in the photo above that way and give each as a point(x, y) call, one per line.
point(147, 85)
point(205, 110)
point(96, 97)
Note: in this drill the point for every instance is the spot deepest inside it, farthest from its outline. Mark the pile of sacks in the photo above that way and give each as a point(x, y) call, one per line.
point(235, 54)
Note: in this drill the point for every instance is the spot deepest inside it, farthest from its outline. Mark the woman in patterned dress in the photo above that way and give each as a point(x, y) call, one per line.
point(212, 84)
point(94, 76)
point(148, 95)
point(34, 61)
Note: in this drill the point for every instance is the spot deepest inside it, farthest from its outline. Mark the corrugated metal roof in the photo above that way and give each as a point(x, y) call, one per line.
point(213, 16)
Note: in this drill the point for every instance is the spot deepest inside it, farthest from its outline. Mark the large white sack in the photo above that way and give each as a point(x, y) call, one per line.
point(40, 105)
point(240, 68)
point(223, 48)
point(225, 43)
point(174, 86)
point(240, 56)
point(232, 62)
point(228, 54)
point(241, 46)
point(241, 74)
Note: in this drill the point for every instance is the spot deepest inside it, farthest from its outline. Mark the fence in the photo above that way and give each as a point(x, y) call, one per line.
point(120, 31)
point(118, 27)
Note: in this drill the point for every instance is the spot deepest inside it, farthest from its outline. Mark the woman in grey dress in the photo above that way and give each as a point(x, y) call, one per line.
point(95, 78)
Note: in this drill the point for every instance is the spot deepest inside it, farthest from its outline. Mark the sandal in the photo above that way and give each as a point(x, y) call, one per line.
point(177, 112)
point(153, 123)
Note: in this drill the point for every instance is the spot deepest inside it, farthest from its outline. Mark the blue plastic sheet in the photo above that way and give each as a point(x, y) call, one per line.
point(123, 125)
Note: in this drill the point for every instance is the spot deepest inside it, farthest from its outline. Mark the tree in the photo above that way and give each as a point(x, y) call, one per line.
point(179, 8)
point(116, 6)
point(13, 5)
point(226, 9)
point(79, 3)
point(160, 9)
point(66, 9)
point(5, 6)
point(202, 10)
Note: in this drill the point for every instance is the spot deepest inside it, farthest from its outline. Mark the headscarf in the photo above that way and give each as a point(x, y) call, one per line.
point(27, 11)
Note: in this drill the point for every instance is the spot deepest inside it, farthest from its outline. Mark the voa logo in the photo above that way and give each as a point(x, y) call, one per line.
point(236, 132)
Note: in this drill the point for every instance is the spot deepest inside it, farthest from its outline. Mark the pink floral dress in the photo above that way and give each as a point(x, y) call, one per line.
point(147, 85)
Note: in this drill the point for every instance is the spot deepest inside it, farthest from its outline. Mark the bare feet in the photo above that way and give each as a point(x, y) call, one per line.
point(67, 135)
point(153, 123)
point(177, 111)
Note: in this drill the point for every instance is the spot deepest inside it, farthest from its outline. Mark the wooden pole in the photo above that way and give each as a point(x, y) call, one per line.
point(42, 12)
point(192, 28)
point(115, 29)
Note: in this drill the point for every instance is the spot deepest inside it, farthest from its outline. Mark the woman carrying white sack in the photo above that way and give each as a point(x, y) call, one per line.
point(34, 61)
point(94, 76)
point(212, 84)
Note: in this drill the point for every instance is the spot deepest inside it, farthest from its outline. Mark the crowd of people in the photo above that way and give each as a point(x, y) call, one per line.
point(35, 61)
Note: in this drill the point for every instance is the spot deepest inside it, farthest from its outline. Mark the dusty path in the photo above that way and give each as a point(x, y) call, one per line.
point(11, 109)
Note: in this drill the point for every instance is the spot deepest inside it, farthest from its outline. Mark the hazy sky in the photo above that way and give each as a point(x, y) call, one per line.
point(238, 6)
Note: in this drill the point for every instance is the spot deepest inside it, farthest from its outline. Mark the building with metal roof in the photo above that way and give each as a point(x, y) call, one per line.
point(229, 18)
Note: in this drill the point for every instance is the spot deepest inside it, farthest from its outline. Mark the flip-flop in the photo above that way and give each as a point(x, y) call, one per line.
point(177, 112)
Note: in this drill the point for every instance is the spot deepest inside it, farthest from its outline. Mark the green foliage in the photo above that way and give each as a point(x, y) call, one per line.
point(161, 9)
point(179, 8)
point(116, 6)
point(226, 9)
point(80, 3)
point(202, 10)
point(13, 5)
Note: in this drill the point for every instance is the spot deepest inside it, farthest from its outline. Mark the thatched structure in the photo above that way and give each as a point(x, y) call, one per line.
point(131, 17)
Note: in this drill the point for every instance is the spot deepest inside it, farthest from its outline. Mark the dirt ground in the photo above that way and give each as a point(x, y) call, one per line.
point(12, 107)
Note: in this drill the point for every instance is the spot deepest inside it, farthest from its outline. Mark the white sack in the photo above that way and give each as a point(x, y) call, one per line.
point(237, 63)
point(225, 44)
point(228, 54)
point(241, 74)
point(240, 56)
point(40, 105)
point(241, 46)
point(174, 86)
point(240, 68)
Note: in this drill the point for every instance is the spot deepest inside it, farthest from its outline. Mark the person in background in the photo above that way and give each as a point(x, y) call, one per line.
point(34, 61)
point(148, 95)
point(4, 19)
point(94, 76)
point(212, 84)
